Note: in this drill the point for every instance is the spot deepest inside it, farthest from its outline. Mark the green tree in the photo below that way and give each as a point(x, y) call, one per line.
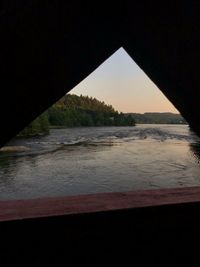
point(74, 111)
point(37, 127)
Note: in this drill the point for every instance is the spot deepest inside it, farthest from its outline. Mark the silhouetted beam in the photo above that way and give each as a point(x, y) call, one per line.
point(166, 46)
point(94, 203)
point(47, 49)
point(155, 227)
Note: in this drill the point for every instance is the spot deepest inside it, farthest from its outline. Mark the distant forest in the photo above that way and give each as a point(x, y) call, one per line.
point(158, 118)
point(75, 111)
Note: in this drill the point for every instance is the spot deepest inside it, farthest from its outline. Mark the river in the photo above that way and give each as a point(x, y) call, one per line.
point(101, 159)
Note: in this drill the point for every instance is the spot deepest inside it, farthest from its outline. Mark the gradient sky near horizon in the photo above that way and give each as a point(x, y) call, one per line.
point(120, 82)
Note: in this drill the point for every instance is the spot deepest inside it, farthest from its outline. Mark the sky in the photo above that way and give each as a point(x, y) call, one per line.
point(120, 82)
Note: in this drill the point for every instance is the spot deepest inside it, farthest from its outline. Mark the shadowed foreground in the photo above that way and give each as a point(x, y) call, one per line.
point(146, 227)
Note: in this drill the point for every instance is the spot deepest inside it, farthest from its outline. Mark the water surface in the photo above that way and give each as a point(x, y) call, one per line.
point(101, 159)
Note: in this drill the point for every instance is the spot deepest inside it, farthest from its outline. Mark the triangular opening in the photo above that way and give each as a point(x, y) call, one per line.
point(122, 83)
point(93, 145)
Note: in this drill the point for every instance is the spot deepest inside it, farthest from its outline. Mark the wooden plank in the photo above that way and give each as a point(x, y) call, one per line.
point(82, 204)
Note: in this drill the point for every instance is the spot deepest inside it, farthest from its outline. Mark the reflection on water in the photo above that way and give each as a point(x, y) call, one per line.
point(5, 169)
point(195, 148)
point(101, 159)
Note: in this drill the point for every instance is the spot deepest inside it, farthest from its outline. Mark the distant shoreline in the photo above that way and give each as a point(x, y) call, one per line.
point(67, 127)
point(157, 118)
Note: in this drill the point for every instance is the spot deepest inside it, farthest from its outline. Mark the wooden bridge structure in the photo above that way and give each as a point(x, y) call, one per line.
point(48, 47)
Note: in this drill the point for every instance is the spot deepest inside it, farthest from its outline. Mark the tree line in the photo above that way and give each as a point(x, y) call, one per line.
point(158, 118)
point(76, 111)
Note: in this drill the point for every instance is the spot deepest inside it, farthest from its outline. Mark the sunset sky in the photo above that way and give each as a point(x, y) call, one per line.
point(120, 82)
